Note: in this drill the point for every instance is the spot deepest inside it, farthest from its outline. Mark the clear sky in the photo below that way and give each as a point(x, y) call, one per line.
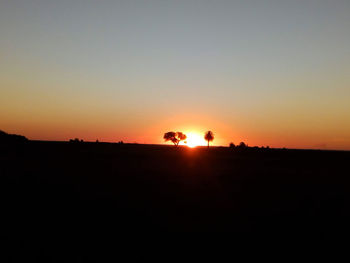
point(267, 72)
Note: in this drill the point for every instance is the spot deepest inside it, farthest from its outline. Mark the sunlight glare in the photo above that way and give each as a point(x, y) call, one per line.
point(195, 139)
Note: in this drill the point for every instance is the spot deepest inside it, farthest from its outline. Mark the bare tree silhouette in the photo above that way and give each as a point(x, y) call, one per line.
point(174, 137)
point(209, 136)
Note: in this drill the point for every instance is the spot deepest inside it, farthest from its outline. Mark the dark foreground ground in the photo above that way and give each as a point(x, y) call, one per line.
point(71, 193)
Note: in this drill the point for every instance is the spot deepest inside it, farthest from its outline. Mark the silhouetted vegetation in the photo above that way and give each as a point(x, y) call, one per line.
point(242, 146)
point(174, 137)
point(120, 142)
point(209, 137)
point(6, 138)
point(76, 140)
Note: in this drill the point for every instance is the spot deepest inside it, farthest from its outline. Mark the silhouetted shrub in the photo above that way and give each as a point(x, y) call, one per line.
point(242, 145)
point(120, 142)
point(232, 145)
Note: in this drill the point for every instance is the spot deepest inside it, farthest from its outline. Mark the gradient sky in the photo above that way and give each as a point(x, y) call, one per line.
point(265, 72)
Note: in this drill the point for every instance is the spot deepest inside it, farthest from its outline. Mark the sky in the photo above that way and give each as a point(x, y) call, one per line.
point(264, 72)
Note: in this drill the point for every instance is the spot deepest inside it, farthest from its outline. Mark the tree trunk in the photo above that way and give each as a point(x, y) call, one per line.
point(208, 144)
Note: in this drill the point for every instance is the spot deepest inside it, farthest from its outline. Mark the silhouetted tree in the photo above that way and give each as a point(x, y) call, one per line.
point(242, 145)
point(170, 136)
point(76, 140)
point(174, 137)
point(209, 136)
point(181, 136)
point(232, 145)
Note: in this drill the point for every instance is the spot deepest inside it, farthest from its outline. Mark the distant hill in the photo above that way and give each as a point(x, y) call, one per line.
point(6, 138)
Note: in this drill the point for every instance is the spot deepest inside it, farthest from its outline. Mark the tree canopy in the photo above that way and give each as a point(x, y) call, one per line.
point(209, 136)
point(174, 137)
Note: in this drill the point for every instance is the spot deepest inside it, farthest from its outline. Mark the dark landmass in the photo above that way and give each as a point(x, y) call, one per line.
point(11, 139)
point(83, 193)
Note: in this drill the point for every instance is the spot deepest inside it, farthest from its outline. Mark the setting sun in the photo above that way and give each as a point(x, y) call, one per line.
point(194, 139)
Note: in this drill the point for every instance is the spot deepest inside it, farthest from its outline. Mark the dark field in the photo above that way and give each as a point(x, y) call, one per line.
point(76, 192)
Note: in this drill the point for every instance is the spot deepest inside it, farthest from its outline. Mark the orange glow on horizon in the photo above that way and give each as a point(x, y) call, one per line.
point(194, 139)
